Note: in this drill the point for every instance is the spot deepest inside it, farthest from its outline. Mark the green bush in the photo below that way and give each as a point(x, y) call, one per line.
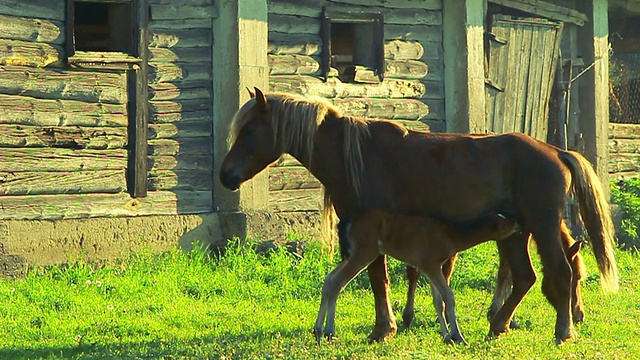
point(626, 194)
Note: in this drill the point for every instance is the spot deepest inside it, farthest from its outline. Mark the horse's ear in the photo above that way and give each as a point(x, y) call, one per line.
point(251, 93)
point(573, 250)
point(261, 100)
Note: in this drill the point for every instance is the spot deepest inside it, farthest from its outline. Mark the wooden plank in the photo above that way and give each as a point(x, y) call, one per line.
point(182, 116)
point(183, 11)
point(293, 64)
point(291, 177)
point(70, 137)
point(180, 38)
point(405, 109)
point(180, 162)
point(103, 87)
point(62, 182)
point(179, 73)
point(26, 110)
point(181, 180)
point(546, 9)
point(193, 146)
point(334, 88)
point(295, 200)
point(187, 129)
point(624, 131)
point(30, 29)
point(56, 159)
point(535, 81)
point(196, 90)
point(405, 69)
point(190, 54)
point(29, 53)
point(83, 206)
point(40, 9)
point(403, 50)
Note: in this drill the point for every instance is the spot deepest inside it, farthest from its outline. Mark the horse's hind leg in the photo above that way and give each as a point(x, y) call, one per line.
point(409, 313)
point(385, 320)
point(515, 250)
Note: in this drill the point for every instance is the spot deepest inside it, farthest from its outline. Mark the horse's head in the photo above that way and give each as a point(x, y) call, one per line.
point(253, 143)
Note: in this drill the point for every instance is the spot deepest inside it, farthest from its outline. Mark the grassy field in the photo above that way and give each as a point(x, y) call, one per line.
point(248, 306)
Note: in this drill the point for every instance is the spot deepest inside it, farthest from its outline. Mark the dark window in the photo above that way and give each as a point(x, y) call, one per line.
point(101, 26)
point(353, 44)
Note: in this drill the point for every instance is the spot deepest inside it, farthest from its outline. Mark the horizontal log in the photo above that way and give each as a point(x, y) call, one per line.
point(31, 111)
point(180, 180)
point(624, 175)
point(436, 109)
point(405, 109)
point(310, 7)
point(426, 34)
point(179, 24)
point(179, 72)
point(183, 11)
point(546, 9)
point(180, 162)
point(191, 54)
point(624, 131)
point(287, 160)
point(200, 90)
point(334, 88)
point(180, 38)
point(403, 50)
point(30, 29)
point(62, 182)
point(178, 106)
point(406, 69)
point(415, 125)
point(291, 177)
point(190, 2)
point(293, 64)
point(295, 200)
point(56, 159)
point(624, 162)
point(434, 89)
point(83, 206)
point(187, 129)
point(183, 116)
point(624, 146)
point(40, 9)
point(302, 44)
point(104, 87)
point(193, 146)
point(29, 53)
point(70, 137)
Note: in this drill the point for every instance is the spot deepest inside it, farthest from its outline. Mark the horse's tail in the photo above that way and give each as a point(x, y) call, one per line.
point(595, 215)
point(328, 221)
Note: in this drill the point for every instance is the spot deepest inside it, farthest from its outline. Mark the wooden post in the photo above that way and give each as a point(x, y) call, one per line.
point(463, 42)
point(593, 45)
point(239, 61)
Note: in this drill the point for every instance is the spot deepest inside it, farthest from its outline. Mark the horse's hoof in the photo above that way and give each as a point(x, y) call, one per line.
point(514, 325)
point(380, 333)
point(494, 334)
point(328, 336)
point(317, 334)
point(454, 339)
point(407, 317)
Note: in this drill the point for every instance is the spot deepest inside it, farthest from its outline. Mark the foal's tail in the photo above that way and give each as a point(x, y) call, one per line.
point(595, 215)
point(328, 224)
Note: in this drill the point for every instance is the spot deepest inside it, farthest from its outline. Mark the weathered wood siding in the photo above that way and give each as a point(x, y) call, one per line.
point(181, 97)
point(624, 151)
point(64, 131)
point(412, 91)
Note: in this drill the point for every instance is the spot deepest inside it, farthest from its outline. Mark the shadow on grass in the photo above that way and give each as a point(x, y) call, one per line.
point(197, 347)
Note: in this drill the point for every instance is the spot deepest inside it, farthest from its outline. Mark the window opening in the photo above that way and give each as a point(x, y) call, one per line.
point(353, 44)
point(105, 27)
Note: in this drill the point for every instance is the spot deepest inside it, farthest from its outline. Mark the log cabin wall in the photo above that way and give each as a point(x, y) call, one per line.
point(64, 130)
point(412, 90)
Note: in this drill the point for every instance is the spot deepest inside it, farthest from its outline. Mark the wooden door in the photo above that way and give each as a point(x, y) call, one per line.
point(521, 65)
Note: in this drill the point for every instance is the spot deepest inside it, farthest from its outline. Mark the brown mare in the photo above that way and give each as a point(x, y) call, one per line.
point(425, 243)
point(378, 164)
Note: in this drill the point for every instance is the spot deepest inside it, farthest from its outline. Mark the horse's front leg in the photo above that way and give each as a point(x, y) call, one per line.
point(385, 320)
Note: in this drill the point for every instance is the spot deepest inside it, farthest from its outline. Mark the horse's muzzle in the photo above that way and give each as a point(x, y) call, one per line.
point(230, 181)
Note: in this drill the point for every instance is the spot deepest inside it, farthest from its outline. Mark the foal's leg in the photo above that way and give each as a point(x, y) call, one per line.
point(503, 287)
point(413, 275)
point(409, 312)
point(442, 293)
point(385, 320)
point(334, 282)
point(515, 250)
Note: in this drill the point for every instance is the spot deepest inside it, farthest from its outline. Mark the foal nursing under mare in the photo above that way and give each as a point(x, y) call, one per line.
point(366, 164)
point(422, 242)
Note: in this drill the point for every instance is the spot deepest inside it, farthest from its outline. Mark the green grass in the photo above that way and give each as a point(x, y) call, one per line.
point(248, 306)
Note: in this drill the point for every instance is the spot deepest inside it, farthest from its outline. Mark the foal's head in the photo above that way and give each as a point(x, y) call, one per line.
point(264, 128)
